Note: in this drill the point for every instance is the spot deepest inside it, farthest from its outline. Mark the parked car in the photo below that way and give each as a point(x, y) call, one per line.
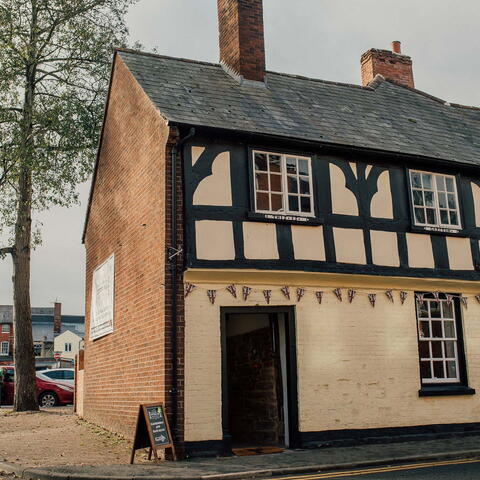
point(63, 375)
point(49, 393)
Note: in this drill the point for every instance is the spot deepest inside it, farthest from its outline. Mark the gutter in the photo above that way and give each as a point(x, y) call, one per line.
point(172, 252)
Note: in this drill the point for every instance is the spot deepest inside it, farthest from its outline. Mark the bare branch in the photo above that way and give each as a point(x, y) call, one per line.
point(7, 250)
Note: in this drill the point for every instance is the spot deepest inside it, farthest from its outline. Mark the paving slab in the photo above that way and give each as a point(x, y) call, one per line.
point(288, 462)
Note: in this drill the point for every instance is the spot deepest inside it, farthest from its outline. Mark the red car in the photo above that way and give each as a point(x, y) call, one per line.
point(49, 393)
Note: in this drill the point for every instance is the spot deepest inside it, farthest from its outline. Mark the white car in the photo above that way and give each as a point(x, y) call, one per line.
point(61, 375)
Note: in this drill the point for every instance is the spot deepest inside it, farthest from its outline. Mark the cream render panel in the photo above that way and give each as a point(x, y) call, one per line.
point(196, 154)
point(344, 201)
point(381, 206)
point(384, 248)
point(420, 252)
point(214, 240)
point(476, 201)
point(459, 253)
point(357, 365)
point(349, 245)
point(260, 240)
point(308, 243)
point(216, 189)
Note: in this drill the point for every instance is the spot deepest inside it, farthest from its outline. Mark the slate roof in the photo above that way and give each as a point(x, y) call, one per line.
point(383, 116)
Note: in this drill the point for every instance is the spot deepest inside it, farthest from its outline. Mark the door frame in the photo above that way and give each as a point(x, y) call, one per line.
point(292, 383)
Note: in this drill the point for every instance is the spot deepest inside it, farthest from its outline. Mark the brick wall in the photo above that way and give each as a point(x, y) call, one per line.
point(391, 65)
point(127, 218)
point(242, 44)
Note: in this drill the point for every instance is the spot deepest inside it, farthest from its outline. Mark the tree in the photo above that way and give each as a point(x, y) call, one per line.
point(54, 68)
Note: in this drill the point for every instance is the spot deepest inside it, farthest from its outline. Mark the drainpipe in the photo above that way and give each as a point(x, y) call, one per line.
point(172, 253)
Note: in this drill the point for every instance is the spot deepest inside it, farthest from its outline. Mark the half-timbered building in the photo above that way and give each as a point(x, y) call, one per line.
point(282, 260)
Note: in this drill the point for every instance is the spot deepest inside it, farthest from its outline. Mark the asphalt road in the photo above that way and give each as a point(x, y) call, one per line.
point(447, 470)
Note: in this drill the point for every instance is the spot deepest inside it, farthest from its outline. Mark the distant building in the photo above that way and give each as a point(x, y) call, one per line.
point(68, 343)
point(47, 324)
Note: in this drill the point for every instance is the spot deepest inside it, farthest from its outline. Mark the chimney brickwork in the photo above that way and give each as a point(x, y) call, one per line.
point(57, 318)
point(242, 43)
point(390, 64)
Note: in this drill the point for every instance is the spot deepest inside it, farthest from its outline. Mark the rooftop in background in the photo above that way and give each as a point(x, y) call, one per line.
point(382, 116)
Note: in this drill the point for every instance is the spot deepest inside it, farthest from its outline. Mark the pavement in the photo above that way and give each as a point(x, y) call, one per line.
point(275, 465)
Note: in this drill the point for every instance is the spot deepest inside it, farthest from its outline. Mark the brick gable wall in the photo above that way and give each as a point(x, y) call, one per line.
point(127, 218)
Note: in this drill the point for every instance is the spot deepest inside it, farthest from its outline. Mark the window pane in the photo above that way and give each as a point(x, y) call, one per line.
point(437, 350)
point(425, 371)
point(274, 163)
point(451, 369)
point(420, 215)
point(437, 329)
point(435, 310)
point(441, 183)
point(450, 184)
point(292, 183)
point(438, 370)
point(262, 201)
point(431, 217)
point(261, 161)
point(449, 349)
point(424, 350)
point(449, 328)
point(444, 217)
point(275, 183)
point(424, 329)
point(304, 185)
point(277, 203)
point(422, 309)
point(291, 165)
point(428, 199)
point(416, 180)
point(261, 180)
point(305, 204)
point(447, 310)
point(442, 200)
point(453, 218)
point(451, 201)
point(427, 180)
point(302, 167)
point(293, 203)
point(417, 197)
point(69, 375)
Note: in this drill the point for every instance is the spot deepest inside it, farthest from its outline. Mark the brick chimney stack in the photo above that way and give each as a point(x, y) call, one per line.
point(57, 318)
point(242, 43)
point(390, 64)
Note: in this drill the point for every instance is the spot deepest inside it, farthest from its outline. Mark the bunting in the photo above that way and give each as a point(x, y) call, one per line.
point(403, 296)
point(464, 301)
point(267, 294)
point(372, 297)
point(338, 293)
point(189, 288)
point(351, 295)
point(233, 290)
point(319, 296)
point(300, 293)
point(211, 295)
point(286, 292)
point(389, 295)
point(246, 292)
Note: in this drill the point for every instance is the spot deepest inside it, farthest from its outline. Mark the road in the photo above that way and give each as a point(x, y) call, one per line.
point(447, 470)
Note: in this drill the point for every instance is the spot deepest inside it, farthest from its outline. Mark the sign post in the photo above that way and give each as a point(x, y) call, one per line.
point(152, 431)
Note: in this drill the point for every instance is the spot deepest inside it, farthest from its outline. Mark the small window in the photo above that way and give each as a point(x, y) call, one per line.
point(283, 184)
point(434, 200)
point(438, 339)
point(37, 349)
point(5, 328)
point(68, 347)
point(4, 349)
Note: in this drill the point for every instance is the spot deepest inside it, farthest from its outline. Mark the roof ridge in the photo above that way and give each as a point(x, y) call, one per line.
point(168, 57)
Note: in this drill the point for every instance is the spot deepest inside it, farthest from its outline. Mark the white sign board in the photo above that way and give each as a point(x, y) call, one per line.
point(103, 291)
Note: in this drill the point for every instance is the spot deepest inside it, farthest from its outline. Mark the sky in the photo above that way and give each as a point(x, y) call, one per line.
point(316, 38)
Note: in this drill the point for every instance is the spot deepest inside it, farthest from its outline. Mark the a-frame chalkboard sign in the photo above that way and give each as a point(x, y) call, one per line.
point(152, 431)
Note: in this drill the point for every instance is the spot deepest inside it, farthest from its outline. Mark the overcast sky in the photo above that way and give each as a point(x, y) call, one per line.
point(316, 38)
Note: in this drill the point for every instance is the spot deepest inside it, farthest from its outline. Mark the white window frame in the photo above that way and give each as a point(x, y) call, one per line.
point(283, 172)
point(5, 328)
point(4, 352)
point(436, 205)
point(444, 358)
point(68, 346)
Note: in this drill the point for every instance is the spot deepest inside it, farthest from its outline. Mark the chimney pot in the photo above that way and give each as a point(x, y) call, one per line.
point(57, 318)
point(397, 47)
point(242, 42)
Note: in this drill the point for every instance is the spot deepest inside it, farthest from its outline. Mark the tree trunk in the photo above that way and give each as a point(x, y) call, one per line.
point(25, 378)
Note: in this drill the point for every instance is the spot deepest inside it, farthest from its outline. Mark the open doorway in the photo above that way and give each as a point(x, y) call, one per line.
point(258, 362)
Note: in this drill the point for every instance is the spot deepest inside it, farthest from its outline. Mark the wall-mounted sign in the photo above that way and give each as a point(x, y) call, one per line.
point(103, 291)
point(152, 431)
